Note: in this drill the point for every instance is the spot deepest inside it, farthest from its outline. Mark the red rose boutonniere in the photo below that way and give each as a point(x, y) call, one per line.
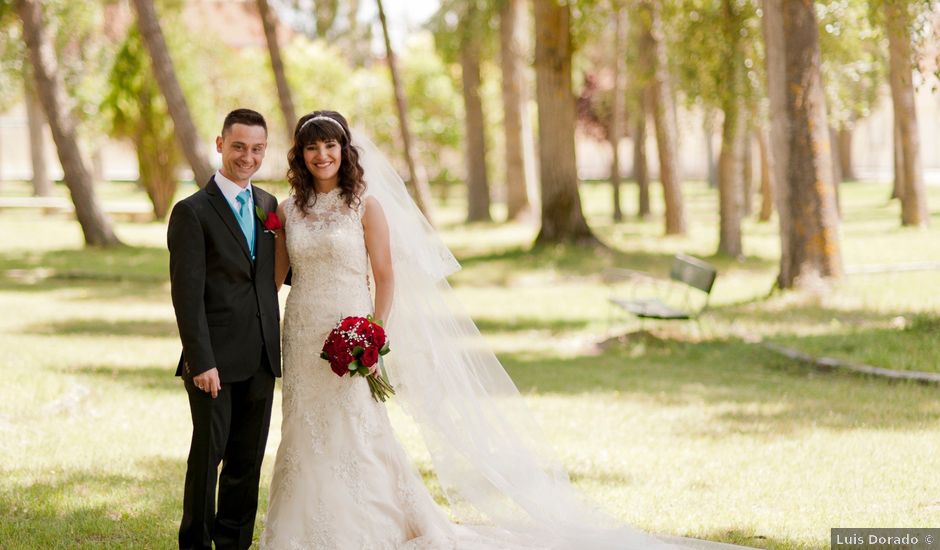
point(269, 220)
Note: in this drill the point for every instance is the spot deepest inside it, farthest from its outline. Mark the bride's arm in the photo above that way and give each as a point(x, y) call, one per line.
point(281, 258)
point(380, 256)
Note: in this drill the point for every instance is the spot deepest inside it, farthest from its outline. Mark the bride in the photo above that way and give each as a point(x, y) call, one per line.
point(357, 245)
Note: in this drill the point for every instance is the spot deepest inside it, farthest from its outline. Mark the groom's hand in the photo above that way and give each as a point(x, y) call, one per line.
point(209, 382)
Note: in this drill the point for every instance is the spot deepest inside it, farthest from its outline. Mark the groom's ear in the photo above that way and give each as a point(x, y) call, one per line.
point(218, 144)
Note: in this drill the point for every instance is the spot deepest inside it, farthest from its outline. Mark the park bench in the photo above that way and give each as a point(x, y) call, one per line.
point(134, 211)
point(651, 297)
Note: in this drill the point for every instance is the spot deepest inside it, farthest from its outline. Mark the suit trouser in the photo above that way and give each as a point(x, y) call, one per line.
point(231, 429)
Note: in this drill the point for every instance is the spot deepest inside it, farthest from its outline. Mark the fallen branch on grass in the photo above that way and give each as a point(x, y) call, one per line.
point(830, 363)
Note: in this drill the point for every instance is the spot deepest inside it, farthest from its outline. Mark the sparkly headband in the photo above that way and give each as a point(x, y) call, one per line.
point(324, 117)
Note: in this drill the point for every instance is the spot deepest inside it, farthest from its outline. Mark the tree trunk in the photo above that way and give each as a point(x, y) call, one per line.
point(657, 72)
point(512, 31)
point(617, 118)
point(809, 201)
point(836, 168)
point(165, 75)
point(730, 172)
point(562, 218)
point(913, 194)
point(897, 155)
point(478, 186)
point(731, 190)
point(158, 178)
point(640, 166)
point(36, 120)
point(710, 152)
point(845, 153)
point(836, 161)
point(766, 177)
point(269, 23)
point(416, 180)
point(779, 149)
point(747, 172)
point(97, 164)
point(96, 227)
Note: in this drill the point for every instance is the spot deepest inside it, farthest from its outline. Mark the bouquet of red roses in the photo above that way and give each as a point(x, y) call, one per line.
point(355, 346)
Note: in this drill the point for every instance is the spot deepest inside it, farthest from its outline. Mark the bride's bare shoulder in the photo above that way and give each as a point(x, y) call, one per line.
point(283, 205)
point(372, 213)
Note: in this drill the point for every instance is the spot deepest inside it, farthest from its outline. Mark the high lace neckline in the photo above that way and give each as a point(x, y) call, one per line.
point(334, 191)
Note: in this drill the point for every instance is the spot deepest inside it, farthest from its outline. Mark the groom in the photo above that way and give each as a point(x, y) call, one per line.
point(222, 284)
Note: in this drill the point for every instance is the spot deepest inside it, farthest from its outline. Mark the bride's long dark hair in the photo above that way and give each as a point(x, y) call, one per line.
point(350, 173)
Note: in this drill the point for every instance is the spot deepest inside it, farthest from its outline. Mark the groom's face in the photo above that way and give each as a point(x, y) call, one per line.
point(242, 147)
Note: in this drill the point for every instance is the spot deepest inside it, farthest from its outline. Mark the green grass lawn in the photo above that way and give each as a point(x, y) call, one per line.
point(675, 429)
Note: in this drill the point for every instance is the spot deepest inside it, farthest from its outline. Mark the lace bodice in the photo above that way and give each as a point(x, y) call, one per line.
point(328, 257)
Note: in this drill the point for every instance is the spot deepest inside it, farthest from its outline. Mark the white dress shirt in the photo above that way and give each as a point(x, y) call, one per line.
point(230, 191)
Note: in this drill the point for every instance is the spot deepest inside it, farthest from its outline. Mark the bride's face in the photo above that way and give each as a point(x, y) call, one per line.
point(323, 159)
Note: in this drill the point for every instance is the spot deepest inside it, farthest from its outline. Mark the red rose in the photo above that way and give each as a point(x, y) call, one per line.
point(272, 222)
point(370, 356)
point(333, 344)
point(338, 369)
point(349, 322)
point(378, 335)
point(341, 364)
point(364, 329)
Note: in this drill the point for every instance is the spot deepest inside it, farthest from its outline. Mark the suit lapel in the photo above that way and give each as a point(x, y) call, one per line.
point(261, 239)
point(222, 208)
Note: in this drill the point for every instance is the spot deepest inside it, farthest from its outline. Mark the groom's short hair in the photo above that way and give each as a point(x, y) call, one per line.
point(246, 117)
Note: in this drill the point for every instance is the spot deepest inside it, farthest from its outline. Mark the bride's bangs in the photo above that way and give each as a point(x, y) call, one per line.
point(320, 130)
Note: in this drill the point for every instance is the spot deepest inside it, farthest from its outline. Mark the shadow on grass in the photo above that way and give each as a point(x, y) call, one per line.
point(103, 327)
point(497, 266)
point(742, 388)
point(123, 261)
point(762, 310)
point(93, 509)
point(151, 378)
point(105, 274)
point(521, 324)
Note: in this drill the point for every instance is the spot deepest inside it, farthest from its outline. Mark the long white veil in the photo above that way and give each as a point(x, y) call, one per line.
point(488, 453)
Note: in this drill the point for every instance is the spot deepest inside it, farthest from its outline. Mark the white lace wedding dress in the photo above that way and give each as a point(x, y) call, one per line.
point(341, 479)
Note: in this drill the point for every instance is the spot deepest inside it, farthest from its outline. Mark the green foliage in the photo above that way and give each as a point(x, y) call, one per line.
point(322, 78)
point(319, 76)
point(593, 64)
point(329, 20)
point(83, 54)
point(704, 39)
point(458, 21)
point(434, 103)
point(918, 19)
point(12, 56)
point(133, 98)
point(854, 60)
point(135, 109)
point(213, 76)
point(591, 21)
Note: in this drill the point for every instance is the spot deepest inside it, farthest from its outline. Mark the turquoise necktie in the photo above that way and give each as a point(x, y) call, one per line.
point(246, 219)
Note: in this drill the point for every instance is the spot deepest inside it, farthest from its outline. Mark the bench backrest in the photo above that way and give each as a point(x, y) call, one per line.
point(694, 272)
